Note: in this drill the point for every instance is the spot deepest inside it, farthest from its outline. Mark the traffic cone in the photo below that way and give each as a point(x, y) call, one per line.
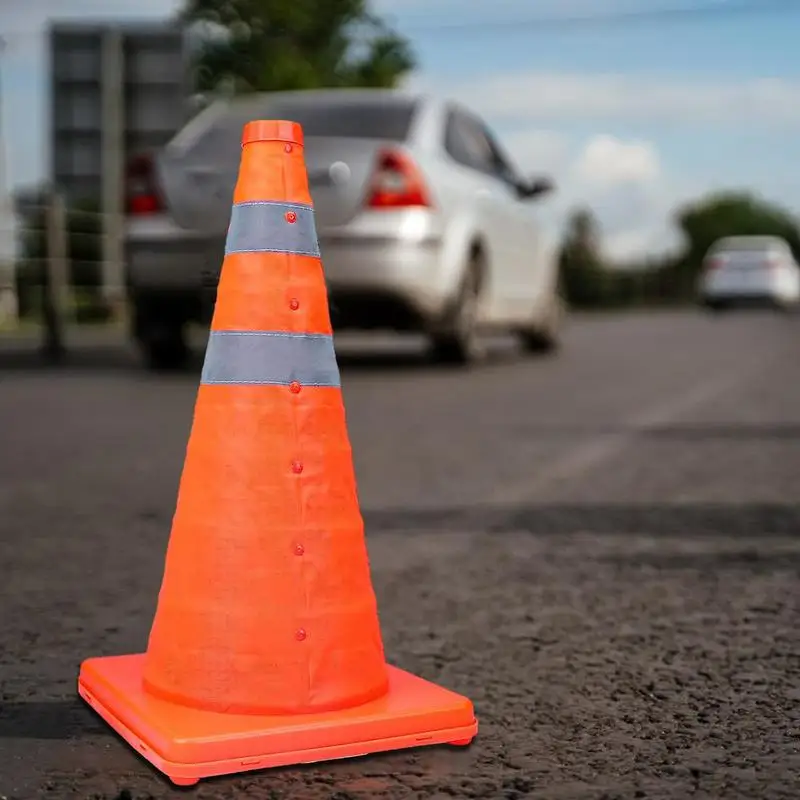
point(266, 647)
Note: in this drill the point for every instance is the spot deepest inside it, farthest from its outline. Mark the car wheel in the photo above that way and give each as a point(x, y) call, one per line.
point(545, 337)
point(786, 307)
point(716, 306)
point(170, 352)
point(160, 333)
point(457, 341)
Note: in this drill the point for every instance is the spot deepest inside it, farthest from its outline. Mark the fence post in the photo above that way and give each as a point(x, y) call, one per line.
point(113, 157)
point(56, 298)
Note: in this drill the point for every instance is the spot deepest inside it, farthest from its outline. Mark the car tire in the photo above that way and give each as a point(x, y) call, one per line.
point(545, 337)
point(168, 353)
point(457, 341)
point(160, 333)
point(787, 308)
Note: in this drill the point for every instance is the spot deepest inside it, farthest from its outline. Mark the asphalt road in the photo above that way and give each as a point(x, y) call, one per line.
point(601, 549)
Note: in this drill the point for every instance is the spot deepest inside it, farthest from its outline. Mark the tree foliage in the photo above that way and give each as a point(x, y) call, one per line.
point(278, 45)
point(581, 261)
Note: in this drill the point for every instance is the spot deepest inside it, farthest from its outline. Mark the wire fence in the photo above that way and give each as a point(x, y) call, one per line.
point(58, 277)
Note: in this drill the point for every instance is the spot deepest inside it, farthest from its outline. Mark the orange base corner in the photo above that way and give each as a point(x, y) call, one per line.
point(187, 745)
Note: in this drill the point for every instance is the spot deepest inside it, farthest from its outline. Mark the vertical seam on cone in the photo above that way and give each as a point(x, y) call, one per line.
point(302, 526)
point(300, 492)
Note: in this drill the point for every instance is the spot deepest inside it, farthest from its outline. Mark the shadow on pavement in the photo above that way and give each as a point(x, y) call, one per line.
point(689, 432)
point(49, 719)
point(748, 558)
point(84, 360)
point(696, 520)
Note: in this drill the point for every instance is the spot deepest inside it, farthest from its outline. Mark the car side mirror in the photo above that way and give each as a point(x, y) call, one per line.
point(537, 187)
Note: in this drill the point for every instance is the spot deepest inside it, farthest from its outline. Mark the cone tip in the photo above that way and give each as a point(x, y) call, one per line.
point(272, 130)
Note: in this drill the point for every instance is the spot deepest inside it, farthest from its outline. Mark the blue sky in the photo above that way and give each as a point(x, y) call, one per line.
point(631, 117)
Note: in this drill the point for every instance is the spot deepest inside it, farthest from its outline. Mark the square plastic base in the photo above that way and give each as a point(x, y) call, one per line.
point(187, 745)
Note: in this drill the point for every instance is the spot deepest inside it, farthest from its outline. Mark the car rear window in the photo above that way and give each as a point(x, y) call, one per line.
point(746, 245)
point(745, 253)
point(354, 119)
point(745, 259)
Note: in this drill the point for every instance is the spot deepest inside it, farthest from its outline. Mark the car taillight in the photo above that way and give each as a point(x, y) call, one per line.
point(772, 262)
point(714, 262)
point(141, 189)
point(397, 183)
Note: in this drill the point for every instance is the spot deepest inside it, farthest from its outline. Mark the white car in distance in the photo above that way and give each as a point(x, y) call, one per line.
point(752, 271)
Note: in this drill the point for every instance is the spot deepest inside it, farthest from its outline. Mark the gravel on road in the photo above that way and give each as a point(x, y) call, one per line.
point(601, 549)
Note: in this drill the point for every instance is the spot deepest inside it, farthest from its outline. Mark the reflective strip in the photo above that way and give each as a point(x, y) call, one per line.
point(262, 227)
point(270, 358)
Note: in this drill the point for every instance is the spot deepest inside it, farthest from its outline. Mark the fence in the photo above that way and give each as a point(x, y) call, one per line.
point(59, 275)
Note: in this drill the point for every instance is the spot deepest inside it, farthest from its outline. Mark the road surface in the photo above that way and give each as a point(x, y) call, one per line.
point(601, 549)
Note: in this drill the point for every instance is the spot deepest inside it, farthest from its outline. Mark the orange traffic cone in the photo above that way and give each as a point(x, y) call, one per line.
point(266, 647)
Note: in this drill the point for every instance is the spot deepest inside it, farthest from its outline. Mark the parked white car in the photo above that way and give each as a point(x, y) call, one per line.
point(423, 222)
point(752, 271)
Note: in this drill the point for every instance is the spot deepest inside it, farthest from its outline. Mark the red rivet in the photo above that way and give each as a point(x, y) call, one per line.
point(297, 467)
point(294, 304)
point(287, 148)
point(294, 387)
point(291, 216)
point(300, 635)
point(299, 549)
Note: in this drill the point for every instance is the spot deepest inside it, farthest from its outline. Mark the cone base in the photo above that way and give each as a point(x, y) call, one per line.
point(187, 744)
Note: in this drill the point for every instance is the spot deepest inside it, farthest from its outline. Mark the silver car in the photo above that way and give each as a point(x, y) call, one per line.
point(424, 225)
point(753, 271)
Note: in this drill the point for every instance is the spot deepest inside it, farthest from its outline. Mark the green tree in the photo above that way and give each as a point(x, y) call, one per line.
point(583, 274)
point(277, 45)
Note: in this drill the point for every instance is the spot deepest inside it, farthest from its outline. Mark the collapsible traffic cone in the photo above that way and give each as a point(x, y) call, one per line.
point(266, 648)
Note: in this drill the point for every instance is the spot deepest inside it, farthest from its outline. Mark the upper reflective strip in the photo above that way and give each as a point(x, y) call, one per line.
point(263, 227)
point(270, 358)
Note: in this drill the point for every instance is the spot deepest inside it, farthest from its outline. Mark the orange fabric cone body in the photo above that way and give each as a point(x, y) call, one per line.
point(266, 649)
point(267, 604)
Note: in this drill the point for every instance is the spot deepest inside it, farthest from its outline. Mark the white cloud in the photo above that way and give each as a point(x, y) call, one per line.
point(622, 182)
point(537, 150)
point(608, 161)
point(538, 96)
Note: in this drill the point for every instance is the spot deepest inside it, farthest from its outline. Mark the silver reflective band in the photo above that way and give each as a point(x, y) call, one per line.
point(262, 227)
point(270, 358)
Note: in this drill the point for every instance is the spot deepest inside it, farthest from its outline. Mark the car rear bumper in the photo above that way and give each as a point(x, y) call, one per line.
point(754, 302)
point(372, 282)
point(386, 273)
point(750, 286)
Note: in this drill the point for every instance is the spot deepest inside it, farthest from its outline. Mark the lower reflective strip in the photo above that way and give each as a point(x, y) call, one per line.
point(256, 357)
point(263, 227)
